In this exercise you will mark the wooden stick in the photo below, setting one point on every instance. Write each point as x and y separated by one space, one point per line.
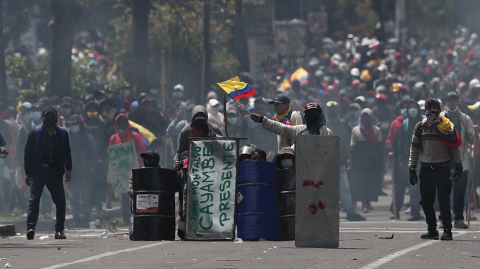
472 179
394 207
225 113
242 106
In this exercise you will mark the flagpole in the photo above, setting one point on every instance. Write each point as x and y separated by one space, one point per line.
225 113
242 106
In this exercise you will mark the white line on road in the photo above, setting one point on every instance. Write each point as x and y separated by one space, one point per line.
96 257
397 254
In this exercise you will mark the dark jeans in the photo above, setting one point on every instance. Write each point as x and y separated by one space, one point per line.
53 179
459 189
435 180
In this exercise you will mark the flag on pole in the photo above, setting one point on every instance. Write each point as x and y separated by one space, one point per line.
236 88
301 75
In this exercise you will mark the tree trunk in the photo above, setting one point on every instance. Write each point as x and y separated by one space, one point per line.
140 12
65 13
206 46
240 46
3 75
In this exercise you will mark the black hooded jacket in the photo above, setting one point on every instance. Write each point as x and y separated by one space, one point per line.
99 130
186 133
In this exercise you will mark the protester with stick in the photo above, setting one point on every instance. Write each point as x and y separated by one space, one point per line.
464 126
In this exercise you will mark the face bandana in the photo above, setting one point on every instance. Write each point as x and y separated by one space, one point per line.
432 119
150 163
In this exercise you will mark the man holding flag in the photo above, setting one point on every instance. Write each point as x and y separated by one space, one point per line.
285 115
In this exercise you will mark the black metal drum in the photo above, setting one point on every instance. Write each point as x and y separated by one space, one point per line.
153 205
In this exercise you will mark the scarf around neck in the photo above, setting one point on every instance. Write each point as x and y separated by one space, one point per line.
368 133
284 118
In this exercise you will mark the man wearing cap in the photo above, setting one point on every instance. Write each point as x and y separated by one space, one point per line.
47 158
315 123
465 126
343 130
285 115
84 154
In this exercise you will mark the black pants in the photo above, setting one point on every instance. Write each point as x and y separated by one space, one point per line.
435 180
459 189
53 179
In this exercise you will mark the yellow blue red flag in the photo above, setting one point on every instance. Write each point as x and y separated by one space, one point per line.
236 88
301 75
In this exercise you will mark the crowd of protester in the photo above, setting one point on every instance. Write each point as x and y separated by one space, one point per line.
371 92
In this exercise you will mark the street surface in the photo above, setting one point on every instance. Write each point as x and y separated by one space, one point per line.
360 247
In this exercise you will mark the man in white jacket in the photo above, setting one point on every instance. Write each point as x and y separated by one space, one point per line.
285 115
315 123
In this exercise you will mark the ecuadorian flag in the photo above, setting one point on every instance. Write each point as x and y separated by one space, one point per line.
448 133
301 75
236 88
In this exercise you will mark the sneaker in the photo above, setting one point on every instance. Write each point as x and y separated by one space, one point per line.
416 217
447 235
407 212
393 216
459 224
355 217
472 216
430 235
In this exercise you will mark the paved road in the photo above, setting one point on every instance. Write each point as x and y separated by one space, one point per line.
360 247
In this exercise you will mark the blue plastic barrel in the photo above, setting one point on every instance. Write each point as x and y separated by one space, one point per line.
257 210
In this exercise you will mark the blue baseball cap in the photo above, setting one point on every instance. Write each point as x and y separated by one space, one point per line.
280 99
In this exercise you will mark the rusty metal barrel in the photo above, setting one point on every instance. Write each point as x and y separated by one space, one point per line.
286 203
153 204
